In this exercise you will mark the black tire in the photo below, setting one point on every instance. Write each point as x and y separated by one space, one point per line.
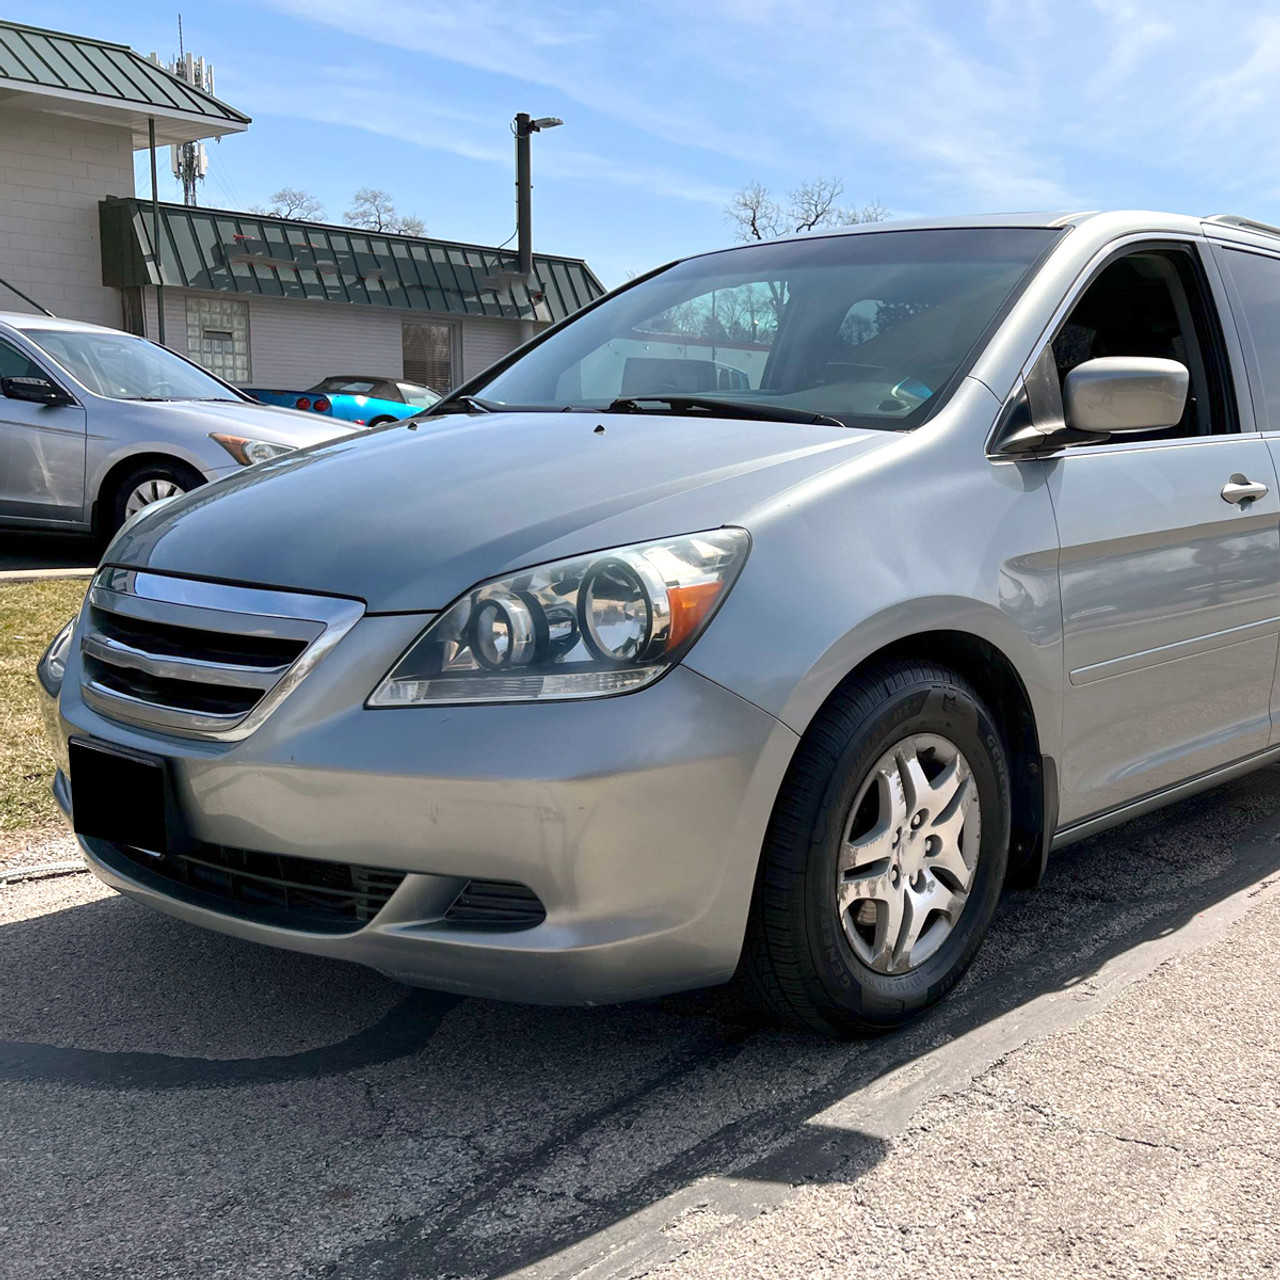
112 510
381 422
797 963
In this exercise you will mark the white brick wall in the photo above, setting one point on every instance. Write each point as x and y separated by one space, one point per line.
53 172
175 318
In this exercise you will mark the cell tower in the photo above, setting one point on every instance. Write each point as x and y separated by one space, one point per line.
189 161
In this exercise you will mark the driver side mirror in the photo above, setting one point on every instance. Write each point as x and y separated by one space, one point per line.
1120 395
35 390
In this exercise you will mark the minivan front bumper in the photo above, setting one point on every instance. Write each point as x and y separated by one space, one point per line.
636 820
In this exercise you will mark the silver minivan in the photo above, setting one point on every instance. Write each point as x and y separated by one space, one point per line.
616 674
96 424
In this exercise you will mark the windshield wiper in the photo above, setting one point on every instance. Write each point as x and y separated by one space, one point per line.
725 408
472 404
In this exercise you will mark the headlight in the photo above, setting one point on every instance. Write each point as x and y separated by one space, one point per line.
247 452
53 662
582 628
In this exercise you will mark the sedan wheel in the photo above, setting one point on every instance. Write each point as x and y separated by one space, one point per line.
144 486
150 491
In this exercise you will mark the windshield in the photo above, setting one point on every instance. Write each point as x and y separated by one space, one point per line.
423 397
123 367
868 329
346 386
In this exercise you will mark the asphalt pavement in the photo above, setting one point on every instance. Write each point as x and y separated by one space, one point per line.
37 552
1099 1096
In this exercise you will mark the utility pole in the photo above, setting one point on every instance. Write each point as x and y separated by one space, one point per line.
157 253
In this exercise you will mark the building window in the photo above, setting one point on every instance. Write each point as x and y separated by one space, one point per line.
428 354
218 336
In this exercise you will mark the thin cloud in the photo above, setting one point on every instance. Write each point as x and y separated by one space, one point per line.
923 103
348 100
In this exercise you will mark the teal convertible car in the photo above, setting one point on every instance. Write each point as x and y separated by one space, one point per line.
364 402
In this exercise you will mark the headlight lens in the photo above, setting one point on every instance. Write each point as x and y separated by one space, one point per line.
246 452
582 628
53 662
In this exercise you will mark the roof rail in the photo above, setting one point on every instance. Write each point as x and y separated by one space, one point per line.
1245 224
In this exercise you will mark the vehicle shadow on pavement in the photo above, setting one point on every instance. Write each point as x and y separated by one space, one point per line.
492 1137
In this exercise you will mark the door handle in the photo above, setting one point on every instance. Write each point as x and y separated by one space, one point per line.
1239 490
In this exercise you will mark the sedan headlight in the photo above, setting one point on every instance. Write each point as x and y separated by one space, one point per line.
246 452
53 662
588 627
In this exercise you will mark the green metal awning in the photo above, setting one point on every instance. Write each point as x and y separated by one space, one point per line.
96 80
281 258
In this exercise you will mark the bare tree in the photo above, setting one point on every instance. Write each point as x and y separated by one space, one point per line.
292 202
757 214
375 210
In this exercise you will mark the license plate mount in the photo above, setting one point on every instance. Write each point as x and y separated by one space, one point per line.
120 796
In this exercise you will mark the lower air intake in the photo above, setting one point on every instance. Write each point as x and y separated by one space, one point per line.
308 894
496 904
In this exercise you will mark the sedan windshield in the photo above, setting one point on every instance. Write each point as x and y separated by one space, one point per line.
123 367
869 329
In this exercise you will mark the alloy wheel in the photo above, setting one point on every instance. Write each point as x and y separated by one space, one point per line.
909 854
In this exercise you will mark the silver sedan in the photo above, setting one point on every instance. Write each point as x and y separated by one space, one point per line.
96 424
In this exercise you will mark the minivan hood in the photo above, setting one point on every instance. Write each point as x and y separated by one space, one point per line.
254 421
406 517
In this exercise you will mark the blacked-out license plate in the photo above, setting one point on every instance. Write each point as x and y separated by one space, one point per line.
119 796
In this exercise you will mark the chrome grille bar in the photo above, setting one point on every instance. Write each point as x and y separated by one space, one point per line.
200 659
239 675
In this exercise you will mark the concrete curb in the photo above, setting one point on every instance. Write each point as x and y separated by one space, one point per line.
42 575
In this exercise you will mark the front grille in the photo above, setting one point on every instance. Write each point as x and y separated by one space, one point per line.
200 659
498 904
270 888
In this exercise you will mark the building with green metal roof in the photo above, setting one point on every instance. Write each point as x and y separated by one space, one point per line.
259 300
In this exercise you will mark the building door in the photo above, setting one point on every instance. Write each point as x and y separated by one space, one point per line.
428 353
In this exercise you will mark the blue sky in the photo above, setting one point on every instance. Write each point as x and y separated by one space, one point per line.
959 106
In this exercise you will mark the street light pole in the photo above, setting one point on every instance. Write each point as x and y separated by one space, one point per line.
524 195
524 127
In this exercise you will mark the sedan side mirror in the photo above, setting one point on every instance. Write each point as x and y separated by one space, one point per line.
1118 395
36 390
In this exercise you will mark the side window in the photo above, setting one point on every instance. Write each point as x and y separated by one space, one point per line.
13 364
1151 303
1257 282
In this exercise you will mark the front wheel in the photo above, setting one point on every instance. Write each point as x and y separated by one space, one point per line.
883 863
144 485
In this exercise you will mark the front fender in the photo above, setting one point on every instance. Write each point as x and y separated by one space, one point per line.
935 538
110 454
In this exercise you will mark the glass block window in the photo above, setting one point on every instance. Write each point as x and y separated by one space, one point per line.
218 336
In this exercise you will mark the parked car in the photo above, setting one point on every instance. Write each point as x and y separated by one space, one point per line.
367 402
584 696
96 424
